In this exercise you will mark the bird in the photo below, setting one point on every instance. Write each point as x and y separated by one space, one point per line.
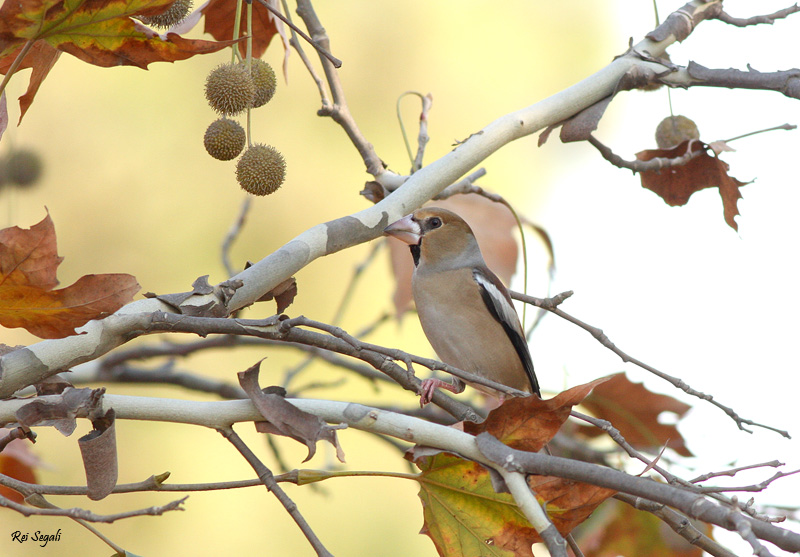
465 310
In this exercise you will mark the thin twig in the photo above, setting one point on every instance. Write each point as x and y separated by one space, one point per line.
758 19
338 109
676 382
321 49
89 516
656 163
761 486
733 471
787 126
679 523
266 477
294 43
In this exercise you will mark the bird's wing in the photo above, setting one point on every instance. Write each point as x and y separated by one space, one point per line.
498 301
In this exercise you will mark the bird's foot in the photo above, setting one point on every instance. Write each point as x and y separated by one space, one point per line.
429 386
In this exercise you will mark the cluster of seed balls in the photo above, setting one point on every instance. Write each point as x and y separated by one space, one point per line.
230 90
174 14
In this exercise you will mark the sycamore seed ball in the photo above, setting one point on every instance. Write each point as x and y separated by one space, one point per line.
22 168
224 139
674 130
174 14
264 81
230 89
261 170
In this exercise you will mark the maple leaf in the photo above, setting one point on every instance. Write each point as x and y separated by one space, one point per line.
28 263
100 32
463 513
634 411
675 184
220 20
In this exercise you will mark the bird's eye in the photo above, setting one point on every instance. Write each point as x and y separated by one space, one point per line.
435 222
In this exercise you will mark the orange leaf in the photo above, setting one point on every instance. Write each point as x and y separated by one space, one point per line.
220 19
634 411
28 263
465 516
100 32
18 462
528 423
676 184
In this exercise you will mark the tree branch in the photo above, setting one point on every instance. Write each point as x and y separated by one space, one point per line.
484 449
676 382
758 19
266 477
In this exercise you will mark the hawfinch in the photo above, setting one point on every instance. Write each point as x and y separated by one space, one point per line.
464 309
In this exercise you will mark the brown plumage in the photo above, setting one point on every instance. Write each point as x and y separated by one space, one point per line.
465 311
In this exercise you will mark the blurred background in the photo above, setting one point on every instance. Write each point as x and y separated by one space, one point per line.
131 189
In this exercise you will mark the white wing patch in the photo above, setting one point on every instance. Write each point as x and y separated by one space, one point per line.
501 305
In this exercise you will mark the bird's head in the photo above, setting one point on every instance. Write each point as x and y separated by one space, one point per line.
436 235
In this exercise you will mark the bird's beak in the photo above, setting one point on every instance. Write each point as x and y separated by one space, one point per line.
406 230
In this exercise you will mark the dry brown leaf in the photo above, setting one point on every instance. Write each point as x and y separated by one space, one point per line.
635 411
220 18
28 264
99 454
283 294
284 418
18 462
675 184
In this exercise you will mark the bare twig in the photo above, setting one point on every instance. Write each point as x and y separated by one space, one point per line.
293 42
422 137
745 530
676 382
266 477
786 82
758 19
761 486
679 523
733 471
323 50
83 514
656 163
338 111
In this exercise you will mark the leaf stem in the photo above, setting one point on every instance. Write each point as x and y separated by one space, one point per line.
237 24
16 63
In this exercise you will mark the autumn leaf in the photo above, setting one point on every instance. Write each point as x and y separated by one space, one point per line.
28 264
283 418
18 462
100 32
220 18
620 529
635 411
465 516
675 184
